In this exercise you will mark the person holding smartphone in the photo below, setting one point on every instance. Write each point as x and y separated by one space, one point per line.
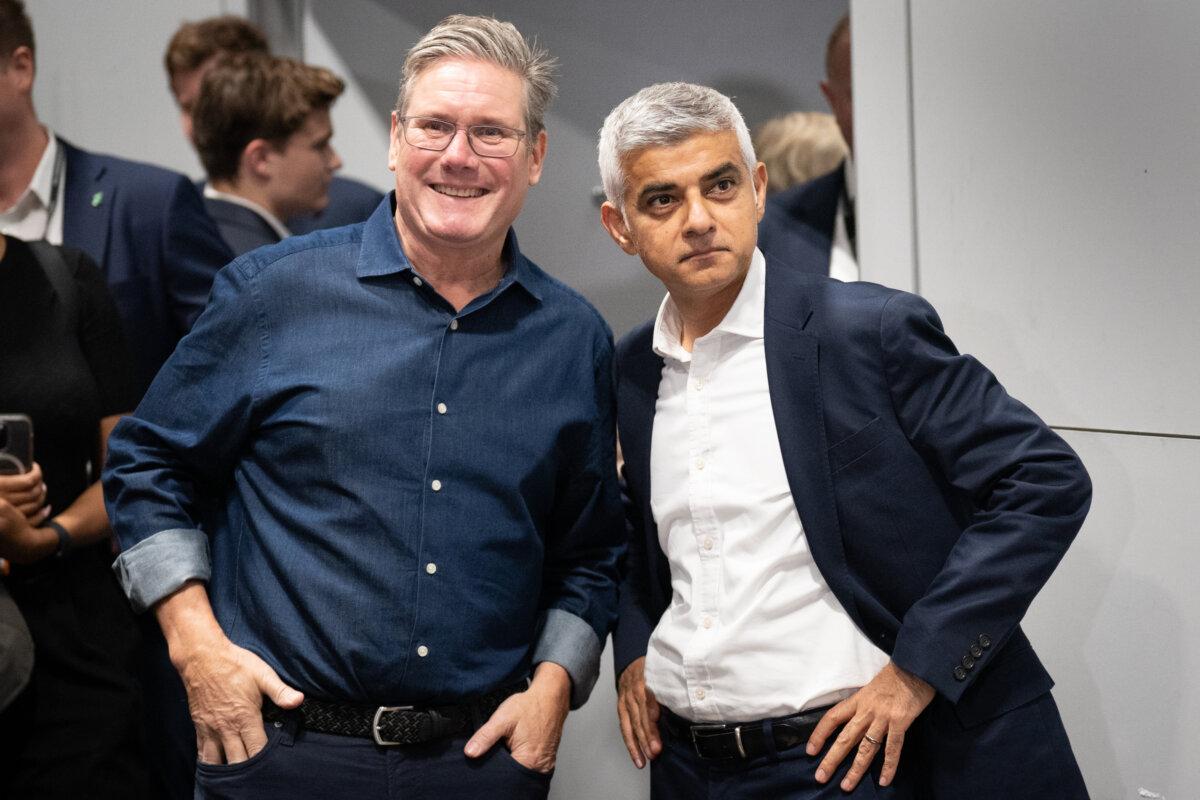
64 365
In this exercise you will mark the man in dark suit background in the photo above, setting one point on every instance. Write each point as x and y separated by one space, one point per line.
820 214
145 226
193 50
261 126
837 520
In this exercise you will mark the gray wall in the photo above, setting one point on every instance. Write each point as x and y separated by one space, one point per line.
1045 163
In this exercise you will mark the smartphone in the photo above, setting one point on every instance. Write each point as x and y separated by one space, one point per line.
16 444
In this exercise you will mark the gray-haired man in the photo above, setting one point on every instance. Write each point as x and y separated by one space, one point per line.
398 440
838 520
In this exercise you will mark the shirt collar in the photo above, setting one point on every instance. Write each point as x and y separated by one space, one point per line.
383 253
744 318
43 177
280 229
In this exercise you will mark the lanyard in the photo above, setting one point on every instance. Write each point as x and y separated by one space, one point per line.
60 166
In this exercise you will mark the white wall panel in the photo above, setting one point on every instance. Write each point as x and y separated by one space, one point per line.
1057 169
1117 625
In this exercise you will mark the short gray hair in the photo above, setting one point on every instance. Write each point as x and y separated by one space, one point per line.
495 42
661 115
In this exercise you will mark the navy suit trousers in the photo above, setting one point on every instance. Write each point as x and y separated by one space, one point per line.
299 764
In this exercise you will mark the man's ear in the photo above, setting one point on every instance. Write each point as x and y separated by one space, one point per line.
394 142
256 159
614 222
20 68
537 158
760 189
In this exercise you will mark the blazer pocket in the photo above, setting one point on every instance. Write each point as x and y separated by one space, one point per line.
856 445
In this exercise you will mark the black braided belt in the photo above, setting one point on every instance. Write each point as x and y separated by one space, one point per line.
394 725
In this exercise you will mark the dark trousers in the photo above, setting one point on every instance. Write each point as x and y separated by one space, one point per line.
679 774
74 731
299 764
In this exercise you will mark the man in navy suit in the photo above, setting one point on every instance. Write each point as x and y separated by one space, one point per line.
821 212
261 126
193 50
146 227
837 520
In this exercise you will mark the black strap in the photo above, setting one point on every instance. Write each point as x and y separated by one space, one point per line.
62 280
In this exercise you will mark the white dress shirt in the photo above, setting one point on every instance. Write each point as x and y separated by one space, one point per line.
843 264
27 219
753 631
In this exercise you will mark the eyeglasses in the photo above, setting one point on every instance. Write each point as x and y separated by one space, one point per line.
488 141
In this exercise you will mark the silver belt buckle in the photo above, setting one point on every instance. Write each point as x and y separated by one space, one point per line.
379 740
717 726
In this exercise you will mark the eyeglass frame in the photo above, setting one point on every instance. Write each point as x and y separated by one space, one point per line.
467 129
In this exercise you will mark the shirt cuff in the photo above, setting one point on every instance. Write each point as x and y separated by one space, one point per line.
155 567
568 641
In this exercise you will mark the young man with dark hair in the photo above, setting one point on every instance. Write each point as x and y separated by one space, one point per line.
261 126
194 49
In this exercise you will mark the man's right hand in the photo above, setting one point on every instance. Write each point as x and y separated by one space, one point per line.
225 683
638 712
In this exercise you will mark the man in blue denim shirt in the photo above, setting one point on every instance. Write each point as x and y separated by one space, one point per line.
397 441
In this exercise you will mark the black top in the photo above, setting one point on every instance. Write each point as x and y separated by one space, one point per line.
64 377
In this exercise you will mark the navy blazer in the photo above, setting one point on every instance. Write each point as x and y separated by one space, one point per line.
350 201
242 228
147 229
935 505
800 220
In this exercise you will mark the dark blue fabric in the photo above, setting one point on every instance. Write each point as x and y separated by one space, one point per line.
299 423
243 229
935 505
679 774
147 229
797 225
302 765
349 202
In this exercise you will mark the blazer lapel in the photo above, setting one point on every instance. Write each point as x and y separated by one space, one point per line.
797 403
88 201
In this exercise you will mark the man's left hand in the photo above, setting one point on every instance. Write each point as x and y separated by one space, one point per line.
881 711
531 721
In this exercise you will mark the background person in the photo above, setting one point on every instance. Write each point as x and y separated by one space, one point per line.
798 147
74 730
261 127
193 50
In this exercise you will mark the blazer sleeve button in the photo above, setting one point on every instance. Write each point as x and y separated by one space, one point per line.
960 674
985 641
968 662
976 650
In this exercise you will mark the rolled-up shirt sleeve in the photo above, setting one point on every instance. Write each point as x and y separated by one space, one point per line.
182 440
579 587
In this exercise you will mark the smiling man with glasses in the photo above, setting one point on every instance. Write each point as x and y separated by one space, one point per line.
400 576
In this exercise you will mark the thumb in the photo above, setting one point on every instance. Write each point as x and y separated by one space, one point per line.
496 728
270 685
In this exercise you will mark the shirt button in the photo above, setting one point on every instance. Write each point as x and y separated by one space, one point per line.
708 543
436 485
699 694
431 567
453 324
441 408
699 384
422 651
707 622
417 281
699 463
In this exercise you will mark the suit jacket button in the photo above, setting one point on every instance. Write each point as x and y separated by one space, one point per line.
985 641
968 662
976 650
960 674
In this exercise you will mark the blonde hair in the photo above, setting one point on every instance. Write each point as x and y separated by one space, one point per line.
798 147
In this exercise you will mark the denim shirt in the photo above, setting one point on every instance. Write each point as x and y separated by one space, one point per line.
403 503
